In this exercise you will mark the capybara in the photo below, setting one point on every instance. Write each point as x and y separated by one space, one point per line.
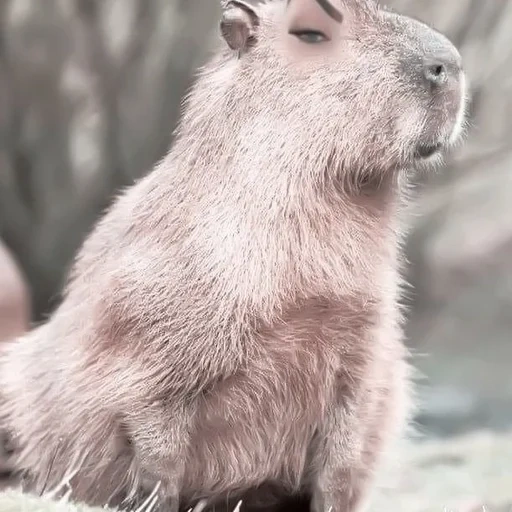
231 328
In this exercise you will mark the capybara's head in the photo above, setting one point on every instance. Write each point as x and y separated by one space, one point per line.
369 89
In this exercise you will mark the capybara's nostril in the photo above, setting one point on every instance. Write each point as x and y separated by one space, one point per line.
441 64
435 73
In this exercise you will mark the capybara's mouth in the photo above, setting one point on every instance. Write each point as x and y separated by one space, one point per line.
424 151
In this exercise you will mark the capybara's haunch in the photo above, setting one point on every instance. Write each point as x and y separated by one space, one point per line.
233 320
14 314
14 297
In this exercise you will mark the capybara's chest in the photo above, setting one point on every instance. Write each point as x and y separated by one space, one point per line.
260 424
257 426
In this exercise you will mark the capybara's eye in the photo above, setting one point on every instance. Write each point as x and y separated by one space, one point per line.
310 36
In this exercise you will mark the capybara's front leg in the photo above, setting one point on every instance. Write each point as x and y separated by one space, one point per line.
357 437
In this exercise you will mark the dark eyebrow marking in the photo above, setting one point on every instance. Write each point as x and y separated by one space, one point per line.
329 9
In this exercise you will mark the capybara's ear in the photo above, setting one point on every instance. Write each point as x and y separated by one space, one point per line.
239 24
14 297
318 16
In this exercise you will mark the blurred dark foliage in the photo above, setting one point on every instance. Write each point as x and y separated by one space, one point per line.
90 92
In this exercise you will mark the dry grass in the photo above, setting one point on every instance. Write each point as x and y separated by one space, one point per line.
471 473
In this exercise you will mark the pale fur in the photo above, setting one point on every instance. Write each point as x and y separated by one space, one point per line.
233 320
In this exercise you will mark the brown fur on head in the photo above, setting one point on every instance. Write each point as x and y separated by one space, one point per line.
353 86
233 321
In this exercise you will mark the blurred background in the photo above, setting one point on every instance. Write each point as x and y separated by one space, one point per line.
90 92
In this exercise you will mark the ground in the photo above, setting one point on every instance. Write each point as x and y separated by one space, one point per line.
469 473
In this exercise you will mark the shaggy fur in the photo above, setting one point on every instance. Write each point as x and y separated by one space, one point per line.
231 327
